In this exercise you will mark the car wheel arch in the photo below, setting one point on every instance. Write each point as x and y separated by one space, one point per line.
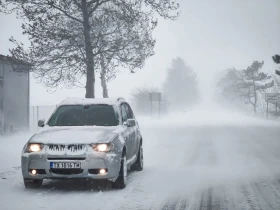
122 156
139 145
123 151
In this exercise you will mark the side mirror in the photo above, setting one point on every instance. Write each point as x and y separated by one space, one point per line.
41 123
130 123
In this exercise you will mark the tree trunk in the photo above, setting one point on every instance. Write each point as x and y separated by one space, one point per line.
90 76
255 97
103 78
104 86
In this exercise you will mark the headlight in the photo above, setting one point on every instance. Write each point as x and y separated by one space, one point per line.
34 147
102 147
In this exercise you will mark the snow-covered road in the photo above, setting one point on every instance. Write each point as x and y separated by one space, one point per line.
191 162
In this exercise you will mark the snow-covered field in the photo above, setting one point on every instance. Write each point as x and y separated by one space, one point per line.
195 160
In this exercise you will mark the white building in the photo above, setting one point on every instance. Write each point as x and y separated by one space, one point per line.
14 95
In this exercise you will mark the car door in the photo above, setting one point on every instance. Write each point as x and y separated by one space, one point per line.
134 140
127 134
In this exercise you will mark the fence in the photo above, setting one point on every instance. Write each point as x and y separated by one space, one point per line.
44 112
39 112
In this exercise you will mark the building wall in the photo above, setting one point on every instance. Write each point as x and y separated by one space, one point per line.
16 98
1 97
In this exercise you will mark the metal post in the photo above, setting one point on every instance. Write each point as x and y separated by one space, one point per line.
151 108
267 110
37 114
28 109
159 109
33 110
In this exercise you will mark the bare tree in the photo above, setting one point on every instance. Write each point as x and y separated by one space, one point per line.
134 45
64 35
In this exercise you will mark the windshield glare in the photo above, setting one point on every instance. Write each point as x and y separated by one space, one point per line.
78 115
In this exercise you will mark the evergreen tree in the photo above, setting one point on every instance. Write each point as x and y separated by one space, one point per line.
276 59
255 81
247 84
229 85
180 87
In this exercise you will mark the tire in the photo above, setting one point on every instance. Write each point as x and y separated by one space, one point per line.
120 182
33 183
139 164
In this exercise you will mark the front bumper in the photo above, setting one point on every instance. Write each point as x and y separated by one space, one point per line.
91 162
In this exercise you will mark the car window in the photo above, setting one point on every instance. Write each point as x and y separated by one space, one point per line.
129 111
124 113
78 115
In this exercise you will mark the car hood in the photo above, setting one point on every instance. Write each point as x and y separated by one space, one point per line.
75 135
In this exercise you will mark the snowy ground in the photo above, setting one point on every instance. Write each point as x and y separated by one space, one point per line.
197 160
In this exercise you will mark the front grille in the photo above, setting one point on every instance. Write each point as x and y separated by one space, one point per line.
73 149
66 171
66 158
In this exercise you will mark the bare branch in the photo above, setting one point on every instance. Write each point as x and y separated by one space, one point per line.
98 4
77 3
50 3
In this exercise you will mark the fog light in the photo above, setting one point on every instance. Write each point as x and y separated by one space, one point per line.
33 172
102 171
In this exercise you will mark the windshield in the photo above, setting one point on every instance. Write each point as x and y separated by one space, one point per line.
78 115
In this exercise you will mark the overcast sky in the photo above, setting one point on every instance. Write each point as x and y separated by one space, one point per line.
210 35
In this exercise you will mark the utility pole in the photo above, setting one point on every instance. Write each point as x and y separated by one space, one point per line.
38 113
151 108
159 109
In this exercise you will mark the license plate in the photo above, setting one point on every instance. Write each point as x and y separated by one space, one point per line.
65 165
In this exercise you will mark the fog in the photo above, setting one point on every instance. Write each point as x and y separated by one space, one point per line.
208 148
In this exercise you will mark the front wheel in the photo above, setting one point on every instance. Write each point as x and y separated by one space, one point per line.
120 182
139 164
33 183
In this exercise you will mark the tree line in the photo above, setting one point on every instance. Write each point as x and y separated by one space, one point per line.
72 40
249 86
179 90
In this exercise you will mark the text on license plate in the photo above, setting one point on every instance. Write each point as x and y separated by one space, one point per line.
65 165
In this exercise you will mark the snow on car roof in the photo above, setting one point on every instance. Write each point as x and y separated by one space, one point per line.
88 101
